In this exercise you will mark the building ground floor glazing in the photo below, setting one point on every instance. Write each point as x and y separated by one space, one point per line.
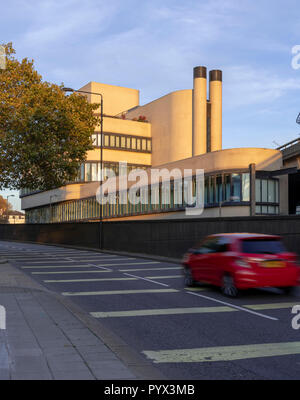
222 189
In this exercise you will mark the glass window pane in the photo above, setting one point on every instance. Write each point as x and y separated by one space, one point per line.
246 187
211 189
123 169
117 141
112 141
236 187
258 209
206 190
149 147
128 143
144 144
94 140
258 190
264 209
264 190
276 191
138 144
94 172
271 191
271 210
123 142
219 189
87 172
106 140
178 193
227 187
82 172
133 143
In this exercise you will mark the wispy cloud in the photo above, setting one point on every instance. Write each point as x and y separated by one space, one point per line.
249 86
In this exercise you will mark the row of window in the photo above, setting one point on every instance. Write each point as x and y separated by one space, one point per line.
90 171
123 142
227 187
266 191
219 188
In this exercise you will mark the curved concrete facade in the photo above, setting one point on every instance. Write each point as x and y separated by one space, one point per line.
218 161
171 126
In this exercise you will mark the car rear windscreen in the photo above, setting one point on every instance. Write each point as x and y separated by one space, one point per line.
262 246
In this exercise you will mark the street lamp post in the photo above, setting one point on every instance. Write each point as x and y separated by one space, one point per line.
10 195
65 89
231 198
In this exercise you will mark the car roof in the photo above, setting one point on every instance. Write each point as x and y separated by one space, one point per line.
245 235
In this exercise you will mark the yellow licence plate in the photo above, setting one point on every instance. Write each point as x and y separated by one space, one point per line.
273 264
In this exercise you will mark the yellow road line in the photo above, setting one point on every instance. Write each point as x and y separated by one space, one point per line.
164 277
165 311
111 292
70 272
148 269
78 266
57 266
70 261
272 306
89 280
224 353
99 260
178 311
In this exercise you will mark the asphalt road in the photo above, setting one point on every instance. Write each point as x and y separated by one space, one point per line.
187 333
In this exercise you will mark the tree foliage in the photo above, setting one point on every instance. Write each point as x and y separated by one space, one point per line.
44 134
3 206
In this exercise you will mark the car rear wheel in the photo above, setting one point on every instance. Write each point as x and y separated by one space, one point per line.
288 289
188 277
228 286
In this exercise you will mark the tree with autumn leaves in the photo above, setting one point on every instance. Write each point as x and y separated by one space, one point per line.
44 134
4 207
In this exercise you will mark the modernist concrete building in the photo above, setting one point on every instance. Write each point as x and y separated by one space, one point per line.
183 130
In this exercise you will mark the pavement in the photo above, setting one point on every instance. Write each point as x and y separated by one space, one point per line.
47 338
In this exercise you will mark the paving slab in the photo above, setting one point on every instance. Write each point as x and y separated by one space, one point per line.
44 340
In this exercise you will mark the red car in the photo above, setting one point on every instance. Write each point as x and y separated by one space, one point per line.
236 261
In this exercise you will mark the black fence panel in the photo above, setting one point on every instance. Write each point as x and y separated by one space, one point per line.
168 237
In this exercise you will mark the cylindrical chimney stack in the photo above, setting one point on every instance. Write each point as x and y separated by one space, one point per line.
199 111
215 96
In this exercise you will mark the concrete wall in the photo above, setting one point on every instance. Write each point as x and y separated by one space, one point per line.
116 99
169 238
230 159
171 126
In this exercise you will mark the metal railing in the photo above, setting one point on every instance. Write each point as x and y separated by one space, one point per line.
286 145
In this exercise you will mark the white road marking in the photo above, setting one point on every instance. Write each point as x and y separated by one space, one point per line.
145 279
234 306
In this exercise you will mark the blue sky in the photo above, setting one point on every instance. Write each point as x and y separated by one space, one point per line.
154 45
